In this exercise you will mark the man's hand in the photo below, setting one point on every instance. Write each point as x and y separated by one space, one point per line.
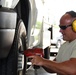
36 60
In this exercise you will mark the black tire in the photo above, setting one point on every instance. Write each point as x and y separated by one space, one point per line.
9 65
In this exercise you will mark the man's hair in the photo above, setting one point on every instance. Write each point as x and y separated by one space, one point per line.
72 13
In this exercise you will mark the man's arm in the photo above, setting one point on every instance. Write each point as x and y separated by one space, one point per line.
48 70
64 68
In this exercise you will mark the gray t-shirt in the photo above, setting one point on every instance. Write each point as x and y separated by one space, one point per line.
66 51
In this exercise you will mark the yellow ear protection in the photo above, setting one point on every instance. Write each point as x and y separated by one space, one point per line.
74 25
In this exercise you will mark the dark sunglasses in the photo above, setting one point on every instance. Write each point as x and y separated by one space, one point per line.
64 27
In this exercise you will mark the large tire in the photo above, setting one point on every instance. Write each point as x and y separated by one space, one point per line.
10 65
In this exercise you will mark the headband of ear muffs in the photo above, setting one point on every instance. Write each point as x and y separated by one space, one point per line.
74 25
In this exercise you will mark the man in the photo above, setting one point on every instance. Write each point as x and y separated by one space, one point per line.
65 61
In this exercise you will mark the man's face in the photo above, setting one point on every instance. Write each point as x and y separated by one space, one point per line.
66 28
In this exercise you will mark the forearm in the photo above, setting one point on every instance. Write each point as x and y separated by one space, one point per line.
64 68
48 70
51 67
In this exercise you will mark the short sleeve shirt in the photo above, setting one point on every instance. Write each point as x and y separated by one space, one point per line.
66 51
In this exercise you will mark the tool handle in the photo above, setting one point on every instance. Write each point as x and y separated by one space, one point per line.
36 67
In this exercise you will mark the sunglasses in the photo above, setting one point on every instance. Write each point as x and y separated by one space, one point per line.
64 27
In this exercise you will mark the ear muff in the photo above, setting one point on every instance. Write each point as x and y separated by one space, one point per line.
74 25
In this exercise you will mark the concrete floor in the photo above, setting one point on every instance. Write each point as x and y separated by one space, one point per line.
41 71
